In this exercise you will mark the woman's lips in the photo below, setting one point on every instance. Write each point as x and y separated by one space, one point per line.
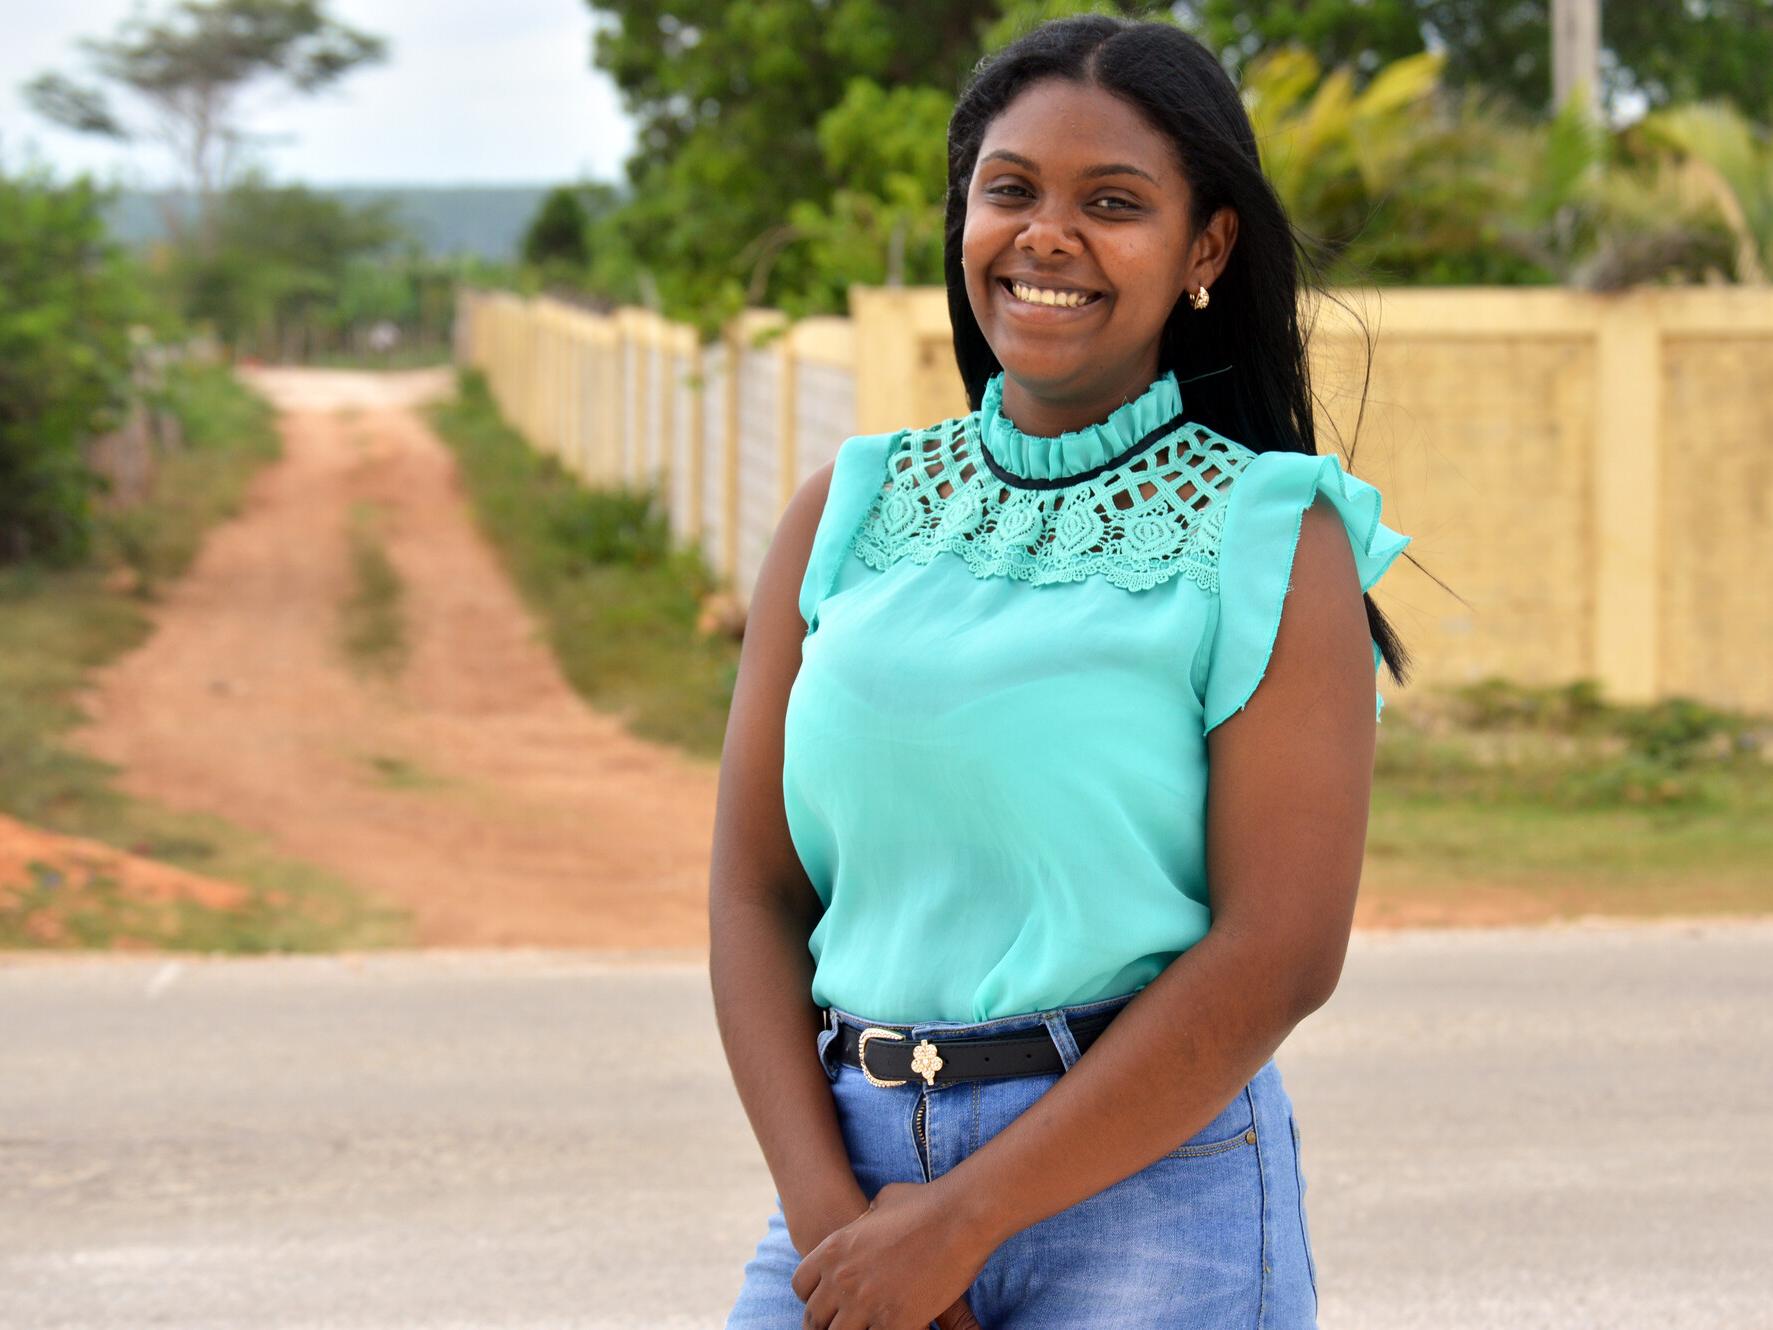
1026 309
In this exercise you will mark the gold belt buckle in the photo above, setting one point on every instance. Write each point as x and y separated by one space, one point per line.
925 1061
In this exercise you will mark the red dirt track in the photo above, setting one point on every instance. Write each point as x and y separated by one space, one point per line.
519 816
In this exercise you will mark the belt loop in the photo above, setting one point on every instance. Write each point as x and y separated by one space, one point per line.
1063 1039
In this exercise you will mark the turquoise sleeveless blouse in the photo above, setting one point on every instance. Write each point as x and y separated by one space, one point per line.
995 755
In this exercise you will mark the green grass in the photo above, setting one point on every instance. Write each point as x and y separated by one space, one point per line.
372 626
1585 805
57 625
619 604
418 357
397 773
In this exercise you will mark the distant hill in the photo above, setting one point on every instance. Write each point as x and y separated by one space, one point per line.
484 220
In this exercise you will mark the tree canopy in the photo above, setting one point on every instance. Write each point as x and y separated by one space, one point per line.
557 233
756 113
190 67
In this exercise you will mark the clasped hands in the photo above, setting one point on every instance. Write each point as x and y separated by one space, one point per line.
904 1262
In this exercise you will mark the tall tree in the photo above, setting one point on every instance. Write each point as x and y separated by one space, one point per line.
557 232
736 172
191 68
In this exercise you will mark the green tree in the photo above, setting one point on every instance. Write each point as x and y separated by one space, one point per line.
557 234
883 224
1731 166
68 298
191 68
738 185
1664 52
285 259
1404 181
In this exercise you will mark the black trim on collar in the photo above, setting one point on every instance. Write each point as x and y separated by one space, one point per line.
1170 426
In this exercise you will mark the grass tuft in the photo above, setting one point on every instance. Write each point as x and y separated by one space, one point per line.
597 566
373 625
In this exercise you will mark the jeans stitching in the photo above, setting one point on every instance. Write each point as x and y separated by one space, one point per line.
1262 1181
1304 1228
1218 1147
1215 1148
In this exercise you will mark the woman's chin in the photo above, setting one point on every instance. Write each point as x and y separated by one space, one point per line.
1038 361
1050 369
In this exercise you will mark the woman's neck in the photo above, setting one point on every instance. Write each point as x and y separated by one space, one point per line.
1047 415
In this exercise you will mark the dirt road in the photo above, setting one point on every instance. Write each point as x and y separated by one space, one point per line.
475 787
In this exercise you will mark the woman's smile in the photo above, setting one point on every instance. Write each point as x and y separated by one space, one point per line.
1048 304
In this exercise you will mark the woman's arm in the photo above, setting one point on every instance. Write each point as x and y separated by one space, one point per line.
761 907
1290 782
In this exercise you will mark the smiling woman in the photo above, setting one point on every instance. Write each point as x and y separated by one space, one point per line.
1066 234
1051 747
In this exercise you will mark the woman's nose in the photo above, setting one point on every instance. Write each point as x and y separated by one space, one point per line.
1048 232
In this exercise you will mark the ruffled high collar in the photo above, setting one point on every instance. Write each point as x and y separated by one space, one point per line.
1064 456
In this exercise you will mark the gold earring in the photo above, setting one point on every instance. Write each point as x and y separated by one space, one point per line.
1199 298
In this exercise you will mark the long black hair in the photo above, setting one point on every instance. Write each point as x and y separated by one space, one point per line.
1243 358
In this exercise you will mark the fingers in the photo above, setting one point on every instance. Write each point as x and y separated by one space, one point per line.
816 1315
959 1316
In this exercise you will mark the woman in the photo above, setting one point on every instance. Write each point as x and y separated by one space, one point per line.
988 668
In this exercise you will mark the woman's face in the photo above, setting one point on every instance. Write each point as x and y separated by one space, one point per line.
1075 192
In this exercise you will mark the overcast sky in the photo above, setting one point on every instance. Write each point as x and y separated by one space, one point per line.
473 91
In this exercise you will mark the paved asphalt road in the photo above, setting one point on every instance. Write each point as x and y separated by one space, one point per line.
1562 1128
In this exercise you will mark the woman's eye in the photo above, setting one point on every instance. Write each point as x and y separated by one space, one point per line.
1122 205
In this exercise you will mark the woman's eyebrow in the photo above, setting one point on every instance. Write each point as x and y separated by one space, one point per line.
1089 172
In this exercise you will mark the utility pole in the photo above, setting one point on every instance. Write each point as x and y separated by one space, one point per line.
1576 52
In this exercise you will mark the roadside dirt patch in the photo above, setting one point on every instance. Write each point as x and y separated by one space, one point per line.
64 870
476 787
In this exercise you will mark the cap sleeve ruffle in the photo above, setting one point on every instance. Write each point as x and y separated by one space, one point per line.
1264 512
856 480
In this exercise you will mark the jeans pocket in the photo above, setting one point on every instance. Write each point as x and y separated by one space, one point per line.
1233 1128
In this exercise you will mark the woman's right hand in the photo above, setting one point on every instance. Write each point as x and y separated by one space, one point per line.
959 1316
842 1209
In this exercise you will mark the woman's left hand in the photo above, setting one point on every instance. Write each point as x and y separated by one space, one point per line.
897 1266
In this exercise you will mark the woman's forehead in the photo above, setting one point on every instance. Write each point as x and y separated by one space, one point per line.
1064 128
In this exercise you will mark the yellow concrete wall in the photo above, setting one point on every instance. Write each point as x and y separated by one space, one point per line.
1591 477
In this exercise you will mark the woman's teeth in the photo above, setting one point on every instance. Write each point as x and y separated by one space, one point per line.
1035 295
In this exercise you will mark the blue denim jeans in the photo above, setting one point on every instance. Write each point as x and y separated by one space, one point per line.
1210 1236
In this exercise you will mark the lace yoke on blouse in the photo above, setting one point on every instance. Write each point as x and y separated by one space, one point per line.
1139 498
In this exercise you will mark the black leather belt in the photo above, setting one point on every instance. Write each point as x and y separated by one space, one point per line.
894 1058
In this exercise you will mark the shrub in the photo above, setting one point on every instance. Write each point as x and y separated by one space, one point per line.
68 299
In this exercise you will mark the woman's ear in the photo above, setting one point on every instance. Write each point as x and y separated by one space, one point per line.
1212 248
